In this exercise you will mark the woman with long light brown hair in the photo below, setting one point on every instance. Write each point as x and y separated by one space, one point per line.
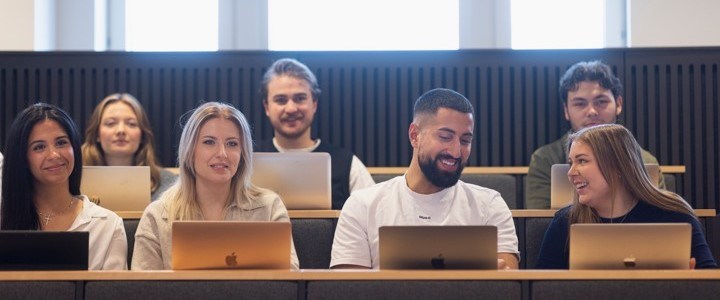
613 186
119 134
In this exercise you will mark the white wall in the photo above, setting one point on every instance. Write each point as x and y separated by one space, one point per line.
673 23
17 28
27 25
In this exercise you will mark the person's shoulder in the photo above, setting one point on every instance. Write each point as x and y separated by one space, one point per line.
267 196
166 174
474 188
648 157
265 145
376 191
657 214
330 148
158 207
96 211
553 148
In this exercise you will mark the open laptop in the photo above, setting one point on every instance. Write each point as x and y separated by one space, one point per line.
630 246
562 190
126 188
302 179
198 245
438 247
43 250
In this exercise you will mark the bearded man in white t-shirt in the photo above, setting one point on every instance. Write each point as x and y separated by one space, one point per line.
430 192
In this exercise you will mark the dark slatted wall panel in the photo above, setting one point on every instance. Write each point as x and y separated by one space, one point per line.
674 98
368 97
671 97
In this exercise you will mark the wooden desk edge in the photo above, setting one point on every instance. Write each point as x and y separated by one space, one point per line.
513 170
334 214
335 275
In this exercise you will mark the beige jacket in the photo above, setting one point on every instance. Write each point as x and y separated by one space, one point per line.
153 238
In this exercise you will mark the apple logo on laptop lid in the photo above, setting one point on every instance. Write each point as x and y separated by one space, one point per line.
438 262
231 260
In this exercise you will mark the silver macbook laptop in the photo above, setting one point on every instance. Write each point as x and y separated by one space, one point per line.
117 188
438 247
43 250
198 245
562 190
302 179
630 246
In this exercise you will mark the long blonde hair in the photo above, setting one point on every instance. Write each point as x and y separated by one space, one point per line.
181 197
92 152
620 161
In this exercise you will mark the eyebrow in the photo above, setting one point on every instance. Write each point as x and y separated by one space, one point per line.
42 141
453 131
579 155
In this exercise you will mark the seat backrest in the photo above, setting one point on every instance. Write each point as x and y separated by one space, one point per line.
130 228
505 184
313 241
534 233
670 182
378 178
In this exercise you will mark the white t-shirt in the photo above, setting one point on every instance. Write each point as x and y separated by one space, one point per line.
359 175
393 203
108 243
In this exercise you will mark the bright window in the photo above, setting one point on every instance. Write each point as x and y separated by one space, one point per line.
363 25
171 25
557 24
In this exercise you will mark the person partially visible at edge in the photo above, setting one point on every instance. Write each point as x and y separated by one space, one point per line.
591 95
613 186
290 95
41 186
430 192
215 164
119 134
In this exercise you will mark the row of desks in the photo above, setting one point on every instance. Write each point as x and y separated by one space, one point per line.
334 214
327 284
363 275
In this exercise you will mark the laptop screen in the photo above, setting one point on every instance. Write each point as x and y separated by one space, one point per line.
438 247
43 250
630 246
117 188
302 179
230 245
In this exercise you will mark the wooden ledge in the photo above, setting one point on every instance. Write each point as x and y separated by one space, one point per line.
334 214
512 170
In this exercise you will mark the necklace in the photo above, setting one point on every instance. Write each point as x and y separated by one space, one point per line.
46 217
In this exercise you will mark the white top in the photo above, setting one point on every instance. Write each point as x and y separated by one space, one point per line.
108 243
393 203
359 175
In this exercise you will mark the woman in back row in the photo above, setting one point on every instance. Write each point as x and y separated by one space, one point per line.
41 186
119 134
612 186
215 164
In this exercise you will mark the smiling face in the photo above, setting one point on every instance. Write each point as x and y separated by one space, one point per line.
290 106
119 133
218 152
590 185
591 104
50 154
443 143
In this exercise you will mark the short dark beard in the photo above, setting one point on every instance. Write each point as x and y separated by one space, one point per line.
437 177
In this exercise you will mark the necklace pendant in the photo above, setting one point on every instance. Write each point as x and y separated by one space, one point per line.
46 219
